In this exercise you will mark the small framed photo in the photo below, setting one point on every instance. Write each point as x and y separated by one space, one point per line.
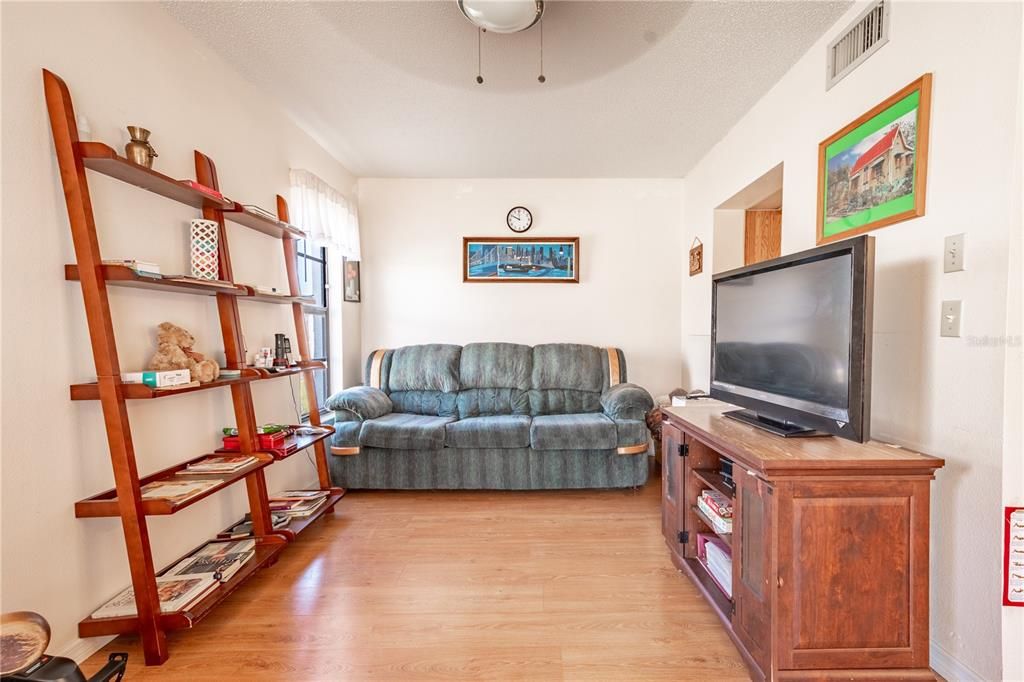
872 173
350 272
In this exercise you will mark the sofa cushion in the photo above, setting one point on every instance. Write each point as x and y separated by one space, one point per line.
572 432
433 403
563 401
568 366
503 431
433 367
496 365
483 402
404 431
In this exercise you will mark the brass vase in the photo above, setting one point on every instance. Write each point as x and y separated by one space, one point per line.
139 150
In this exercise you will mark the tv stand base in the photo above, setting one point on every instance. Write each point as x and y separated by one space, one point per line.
779 428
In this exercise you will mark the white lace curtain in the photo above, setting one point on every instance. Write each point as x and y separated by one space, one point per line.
324 213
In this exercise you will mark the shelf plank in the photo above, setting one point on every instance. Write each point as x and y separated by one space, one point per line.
297 525
266 553
301 442
716 481
303 366
91 391
103 159
237 213
722 605
106 504
253 295
121 275
727 537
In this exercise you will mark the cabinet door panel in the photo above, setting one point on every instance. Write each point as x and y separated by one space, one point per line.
671 484
752 567
854 575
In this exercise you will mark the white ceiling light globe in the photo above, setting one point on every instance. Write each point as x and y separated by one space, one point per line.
502 16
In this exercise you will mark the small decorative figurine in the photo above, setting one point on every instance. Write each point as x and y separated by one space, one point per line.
139 150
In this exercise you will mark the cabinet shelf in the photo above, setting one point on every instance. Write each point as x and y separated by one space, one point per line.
716 481
237 213
106 503
91 391
727 537
266 553
121 275
103 159
722 605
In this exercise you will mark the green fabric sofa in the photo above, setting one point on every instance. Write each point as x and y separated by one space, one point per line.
497 416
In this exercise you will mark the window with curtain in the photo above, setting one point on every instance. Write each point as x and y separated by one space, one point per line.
313 281
331 224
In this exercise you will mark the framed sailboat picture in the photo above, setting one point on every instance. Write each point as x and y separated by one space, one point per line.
496 259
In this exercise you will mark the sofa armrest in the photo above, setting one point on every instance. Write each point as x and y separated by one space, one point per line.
359 403
626 401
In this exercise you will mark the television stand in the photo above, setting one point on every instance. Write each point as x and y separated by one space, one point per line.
828 549
779 428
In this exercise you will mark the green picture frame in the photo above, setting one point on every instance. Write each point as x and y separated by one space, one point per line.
873 172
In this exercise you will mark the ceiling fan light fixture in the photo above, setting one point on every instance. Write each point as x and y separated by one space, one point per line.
502 16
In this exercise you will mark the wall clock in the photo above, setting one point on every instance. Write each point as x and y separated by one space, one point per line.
519 219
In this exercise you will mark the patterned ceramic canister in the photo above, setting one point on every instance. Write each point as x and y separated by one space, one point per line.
204 249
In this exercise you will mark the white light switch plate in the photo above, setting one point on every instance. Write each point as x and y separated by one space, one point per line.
953 258
950 324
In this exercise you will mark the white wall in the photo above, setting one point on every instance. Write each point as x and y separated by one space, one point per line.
627 296
942 396
1013 424
125 64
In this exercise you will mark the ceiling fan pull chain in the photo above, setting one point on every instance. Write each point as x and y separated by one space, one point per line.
541 78
479 77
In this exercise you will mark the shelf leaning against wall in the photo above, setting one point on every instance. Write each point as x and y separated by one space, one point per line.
125 498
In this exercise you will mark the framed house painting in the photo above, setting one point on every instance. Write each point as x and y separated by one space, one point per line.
495 259
872 173
350 273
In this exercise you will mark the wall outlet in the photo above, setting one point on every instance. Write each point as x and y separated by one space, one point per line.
953 259
950 324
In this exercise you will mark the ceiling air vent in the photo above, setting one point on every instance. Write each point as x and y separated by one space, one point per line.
860 40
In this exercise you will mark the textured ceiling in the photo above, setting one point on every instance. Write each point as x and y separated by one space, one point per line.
634 89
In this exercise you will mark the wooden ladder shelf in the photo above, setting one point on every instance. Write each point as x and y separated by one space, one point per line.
125 499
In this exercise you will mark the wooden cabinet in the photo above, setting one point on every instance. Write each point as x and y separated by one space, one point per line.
671 485
829 546
752 544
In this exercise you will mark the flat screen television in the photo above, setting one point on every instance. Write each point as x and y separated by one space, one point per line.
791 341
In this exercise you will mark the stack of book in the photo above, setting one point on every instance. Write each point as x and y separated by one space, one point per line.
176 593
176 492
717 508
716 557
218 464
140 267
203 188
219 560
243 529
253 208
298 503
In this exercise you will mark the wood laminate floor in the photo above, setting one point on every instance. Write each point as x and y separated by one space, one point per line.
546 585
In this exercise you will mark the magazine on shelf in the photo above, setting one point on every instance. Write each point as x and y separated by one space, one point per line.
301 494
221 560
243 529
218 464
175 592
718 502
297 508
177 492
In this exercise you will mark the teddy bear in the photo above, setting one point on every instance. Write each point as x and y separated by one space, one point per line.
174 351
